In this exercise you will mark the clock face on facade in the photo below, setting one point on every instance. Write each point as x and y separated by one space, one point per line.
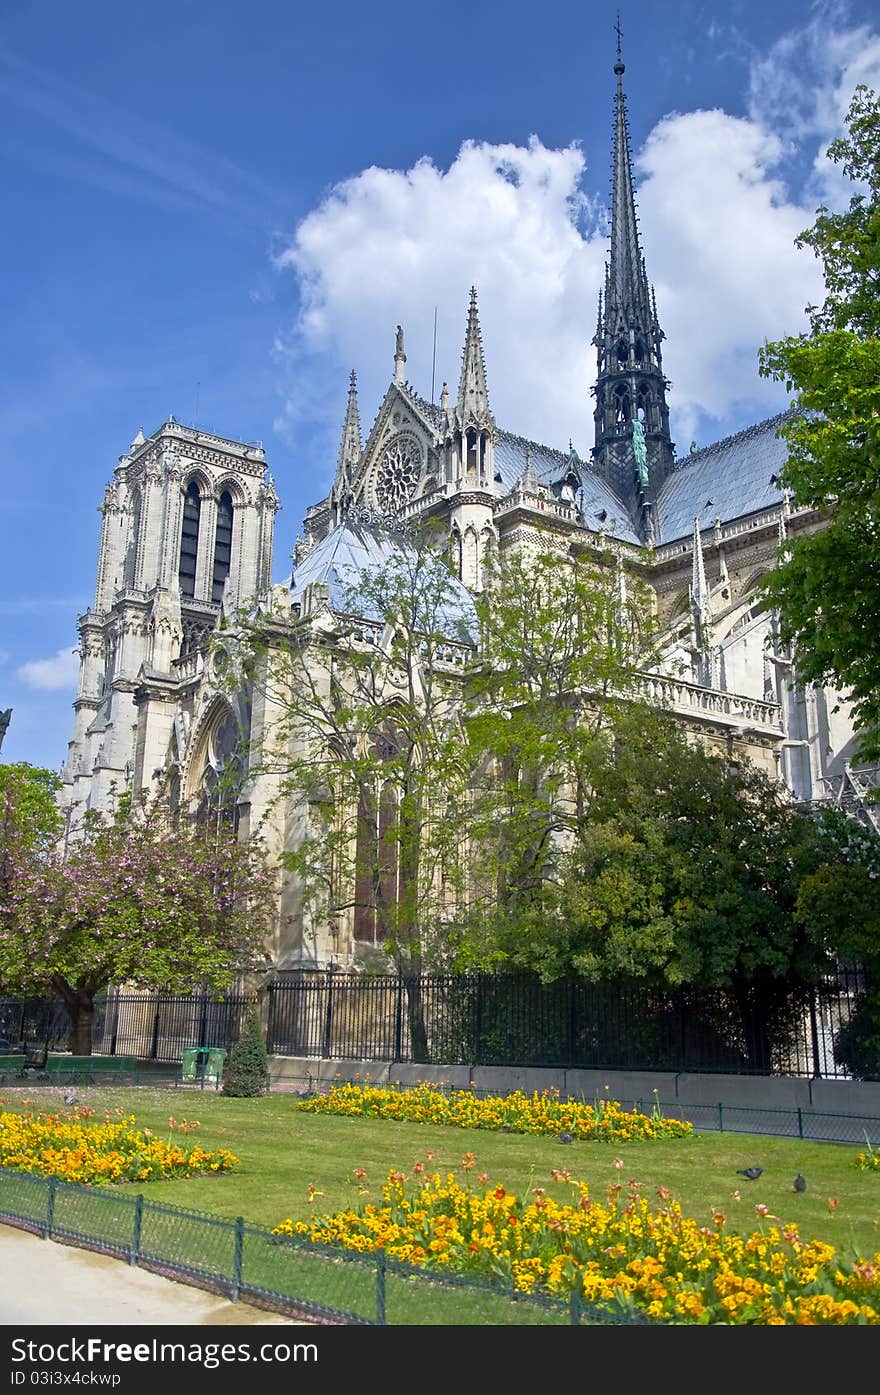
398 474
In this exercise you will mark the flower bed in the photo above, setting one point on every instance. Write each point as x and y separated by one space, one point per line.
621 1251
539 1113
68 1147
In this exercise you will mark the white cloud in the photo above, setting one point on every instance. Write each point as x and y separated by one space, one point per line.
388 246
720 237
62 671
802 87
718 224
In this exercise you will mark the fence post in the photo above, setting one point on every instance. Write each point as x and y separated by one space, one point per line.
237 1258
800 1122
50 1208
398 1022
136 1232
575 1307
814 1034
270 1020
154 1044
328 1016
720 1117
203 1020
114 1032
478 1020
380 1287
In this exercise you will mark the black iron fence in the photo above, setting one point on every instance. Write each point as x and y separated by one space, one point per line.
475 1019
148 1026
502 1019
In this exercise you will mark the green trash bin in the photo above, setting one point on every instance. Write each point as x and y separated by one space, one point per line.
189 1059
214 1066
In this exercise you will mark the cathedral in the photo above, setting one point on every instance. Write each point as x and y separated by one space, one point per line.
187 542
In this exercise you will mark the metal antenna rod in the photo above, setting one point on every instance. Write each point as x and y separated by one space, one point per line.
434 356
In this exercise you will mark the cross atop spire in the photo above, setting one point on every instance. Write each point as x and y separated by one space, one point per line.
473 394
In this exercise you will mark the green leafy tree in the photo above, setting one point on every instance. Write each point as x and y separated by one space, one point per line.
29 814
692 873
827 583
365 732
247 1066
840 900
561 641
130 899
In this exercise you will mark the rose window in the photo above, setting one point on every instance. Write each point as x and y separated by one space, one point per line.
398 475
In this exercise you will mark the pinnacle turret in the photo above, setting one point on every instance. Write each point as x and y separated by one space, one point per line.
473 394
349 450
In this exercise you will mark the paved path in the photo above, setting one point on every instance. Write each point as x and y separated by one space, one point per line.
47 1282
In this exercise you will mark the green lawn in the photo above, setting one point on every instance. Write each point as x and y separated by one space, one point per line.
283 1150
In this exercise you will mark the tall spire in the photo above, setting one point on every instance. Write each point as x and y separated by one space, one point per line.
350 445
349 452
633 448
626 283
473 394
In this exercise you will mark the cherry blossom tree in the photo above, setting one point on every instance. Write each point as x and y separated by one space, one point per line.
130 899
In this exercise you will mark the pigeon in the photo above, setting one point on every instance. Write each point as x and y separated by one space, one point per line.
800 1183
566 1138
751 1172
70 1098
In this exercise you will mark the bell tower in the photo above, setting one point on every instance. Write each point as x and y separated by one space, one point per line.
187 533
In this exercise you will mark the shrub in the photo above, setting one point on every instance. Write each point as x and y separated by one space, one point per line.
857 1044
247 1066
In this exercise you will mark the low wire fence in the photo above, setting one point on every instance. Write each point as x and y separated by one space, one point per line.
242 1261
815 1125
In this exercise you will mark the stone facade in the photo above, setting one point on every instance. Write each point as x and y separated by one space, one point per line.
187 543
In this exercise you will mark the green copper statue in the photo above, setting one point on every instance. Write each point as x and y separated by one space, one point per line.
640 452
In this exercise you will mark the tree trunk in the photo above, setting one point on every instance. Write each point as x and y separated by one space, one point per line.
758 1004
80 1005
415 1011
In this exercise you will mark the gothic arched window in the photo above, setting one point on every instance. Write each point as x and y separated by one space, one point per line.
377 890
189 540
222 545
131 553
222 774
621 405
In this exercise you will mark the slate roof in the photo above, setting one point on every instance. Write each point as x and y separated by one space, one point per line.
734 473
339 560
551 467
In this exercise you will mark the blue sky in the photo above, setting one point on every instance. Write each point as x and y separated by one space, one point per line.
218 210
